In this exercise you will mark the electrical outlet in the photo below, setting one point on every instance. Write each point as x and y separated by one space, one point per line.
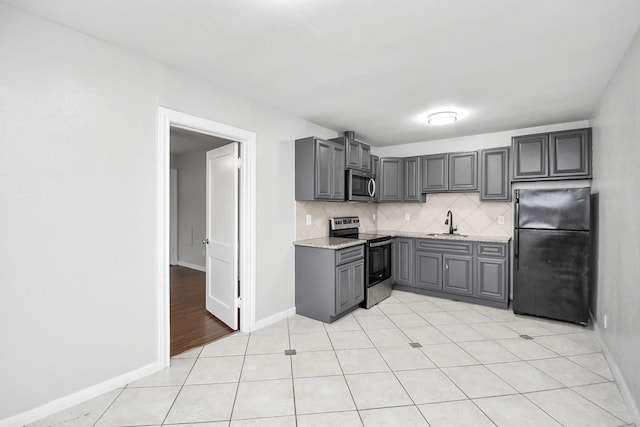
309 222
407 216
604 321
374 216
501 219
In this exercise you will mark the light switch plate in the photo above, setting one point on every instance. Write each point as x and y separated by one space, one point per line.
407 216
501 219
309 221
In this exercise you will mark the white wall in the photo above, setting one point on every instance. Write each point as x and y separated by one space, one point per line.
616 134
470 143
79 275
192 209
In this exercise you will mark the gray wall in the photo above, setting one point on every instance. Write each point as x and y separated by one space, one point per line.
616 153
78 189
192 175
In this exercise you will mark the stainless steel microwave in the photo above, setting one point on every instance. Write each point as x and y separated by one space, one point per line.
361 186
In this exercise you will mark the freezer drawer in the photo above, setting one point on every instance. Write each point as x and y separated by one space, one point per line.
551 274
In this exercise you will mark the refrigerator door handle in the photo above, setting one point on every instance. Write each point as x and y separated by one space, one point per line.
516 231
516 248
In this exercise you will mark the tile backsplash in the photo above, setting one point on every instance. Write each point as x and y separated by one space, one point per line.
470 215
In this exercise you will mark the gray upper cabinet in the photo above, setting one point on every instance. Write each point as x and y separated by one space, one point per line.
358 154
435 173
450 172
391 179
530 156
399 180
319 169
412 180
570 153
556 155
463 171
495 182
375 166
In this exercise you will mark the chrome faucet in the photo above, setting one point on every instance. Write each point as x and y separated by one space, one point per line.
449 221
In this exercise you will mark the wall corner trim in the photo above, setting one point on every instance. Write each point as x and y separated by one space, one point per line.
263 323
79 396
625 392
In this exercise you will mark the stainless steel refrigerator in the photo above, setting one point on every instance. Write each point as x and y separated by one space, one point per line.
552 253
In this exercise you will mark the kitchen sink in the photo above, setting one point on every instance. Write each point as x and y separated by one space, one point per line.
446 234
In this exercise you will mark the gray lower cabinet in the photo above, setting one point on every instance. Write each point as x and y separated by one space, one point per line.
319 170
458 274
329 283
402 260
492 270
495 174
428 270
461 270
555 155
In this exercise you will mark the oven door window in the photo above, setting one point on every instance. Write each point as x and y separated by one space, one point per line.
379 264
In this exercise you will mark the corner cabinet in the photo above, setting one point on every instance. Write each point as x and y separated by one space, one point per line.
329 282
474 272
450 172
552 156
319 170
495 174
399 180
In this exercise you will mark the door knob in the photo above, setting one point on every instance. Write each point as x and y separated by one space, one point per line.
205 242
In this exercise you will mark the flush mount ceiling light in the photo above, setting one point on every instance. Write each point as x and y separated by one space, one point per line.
442 118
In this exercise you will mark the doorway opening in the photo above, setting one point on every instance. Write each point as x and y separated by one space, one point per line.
192 323
230 255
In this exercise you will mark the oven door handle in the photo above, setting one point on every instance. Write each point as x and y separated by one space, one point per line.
378 244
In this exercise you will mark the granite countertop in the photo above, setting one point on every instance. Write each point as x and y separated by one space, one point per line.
463 237
329 242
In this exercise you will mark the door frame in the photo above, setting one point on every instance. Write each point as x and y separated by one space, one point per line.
167 119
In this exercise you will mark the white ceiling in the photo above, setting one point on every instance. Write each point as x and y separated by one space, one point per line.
373 66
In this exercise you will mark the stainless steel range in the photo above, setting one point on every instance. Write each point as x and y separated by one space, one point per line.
378 281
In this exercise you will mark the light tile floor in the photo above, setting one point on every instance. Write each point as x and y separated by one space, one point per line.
471 368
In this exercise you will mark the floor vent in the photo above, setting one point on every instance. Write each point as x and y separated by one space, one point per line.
415 344
526 337
289 352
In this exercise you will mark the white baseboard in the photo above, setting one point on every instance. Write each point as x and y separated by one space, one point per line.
192 266
632 406
78 397
274 318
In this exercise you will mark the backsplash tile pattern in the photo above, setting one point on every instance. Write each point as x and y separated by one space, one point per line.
470 215
321 212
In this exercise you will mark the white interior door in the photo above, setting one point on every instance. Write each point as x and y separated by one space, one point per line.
221 241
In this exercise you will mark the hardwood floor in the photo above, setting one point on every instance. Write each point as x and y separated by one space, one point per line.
191 324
